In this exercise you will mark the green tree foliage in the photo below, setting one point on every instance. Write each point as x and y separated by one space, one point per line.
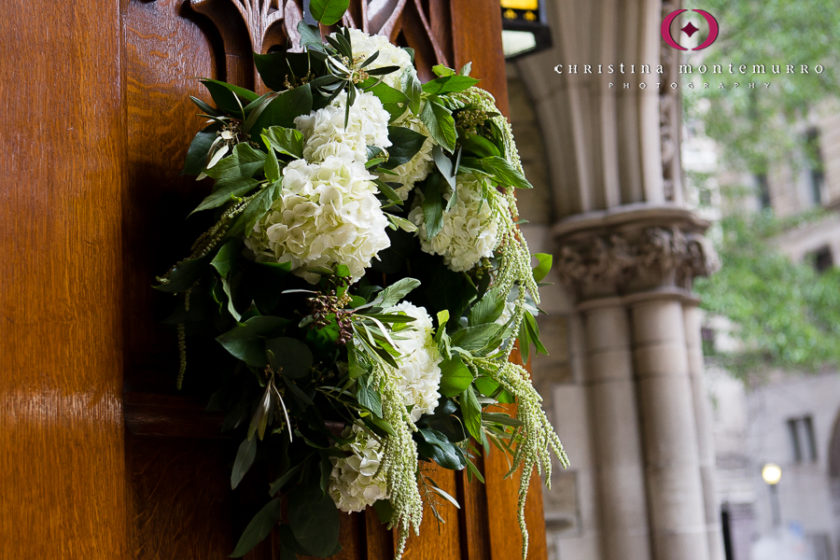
754 125
785 314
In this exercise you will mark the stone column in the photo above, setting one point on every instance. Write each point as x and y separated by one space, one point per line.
703 418
614 426
672 467
631 271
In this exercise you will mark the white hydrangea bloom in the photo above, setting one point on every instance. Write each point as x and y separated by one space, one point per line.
418 376
354 481
470 228
327 214
365 45
419 167
325 134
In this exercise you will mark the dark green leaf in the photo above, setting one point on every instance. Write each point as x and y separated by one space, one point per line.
289 356
284 479
225 192
387 94
328 12
258 206
245 341
487 386
433 205
405 143
436 447
244 459
272 166
389 192
480 146
454 377
413 90
446 167
504 173
225 95
259 527
487 309
197 153
314 520
182 275
284 108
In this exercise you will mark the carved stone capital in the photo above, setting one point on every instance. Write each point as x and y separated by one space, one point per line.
637 249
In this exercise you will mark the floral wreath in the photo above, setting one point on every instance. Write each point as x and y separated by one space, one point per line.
362 286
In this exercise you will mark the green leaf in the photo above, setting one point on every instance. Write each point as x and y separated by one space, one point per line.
225 192
405 143
272 167
369 399
256 208
243 163
245 341
438 119
386 93
314 520
448 84
413 90
259 527
389 192
394 293
433 205
225 95
223 262
455 377
505 174
284 479
544 261
442 71
471 410
283 110
446 167
199 148
477 337
310 37
438 448
401 223
328 12
487 309
289 356
480 146
487 386
287 141
244 459
181 276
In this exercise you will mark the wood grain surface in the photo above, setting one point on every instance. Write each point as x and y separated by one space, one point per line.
62 474
97 117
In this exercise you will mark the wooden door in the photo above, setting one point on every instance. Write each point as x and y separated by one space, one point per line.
97 121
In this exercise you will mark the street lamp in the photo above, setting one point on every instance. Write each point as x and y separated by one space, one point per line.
771 474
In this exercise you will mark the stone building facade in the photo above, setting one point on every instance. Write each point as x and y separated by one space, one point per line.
624 378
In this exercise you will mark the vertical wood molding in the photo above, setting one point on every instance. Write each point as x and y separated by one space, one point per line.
62 473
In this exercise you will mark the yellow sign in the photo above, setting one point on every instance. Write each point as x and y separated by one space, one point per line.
521 4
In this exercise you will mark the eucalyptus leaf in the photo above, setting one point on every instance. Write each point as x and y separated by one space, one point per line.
259 527
199 148
245 456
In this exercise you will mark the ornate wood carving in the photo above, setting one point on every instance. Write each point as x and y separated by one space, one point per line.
248 26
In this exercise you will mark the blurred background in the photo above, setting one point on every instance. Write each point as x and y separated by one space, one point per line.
664 170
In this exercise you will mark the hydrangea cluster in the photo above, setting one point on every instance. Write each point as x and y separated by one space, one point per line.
470 229
356 481
326 135
365 45
418 376
327 214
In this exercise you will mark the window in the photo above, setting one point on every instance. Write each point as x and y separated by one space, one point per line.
802 441
814 164
763 190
